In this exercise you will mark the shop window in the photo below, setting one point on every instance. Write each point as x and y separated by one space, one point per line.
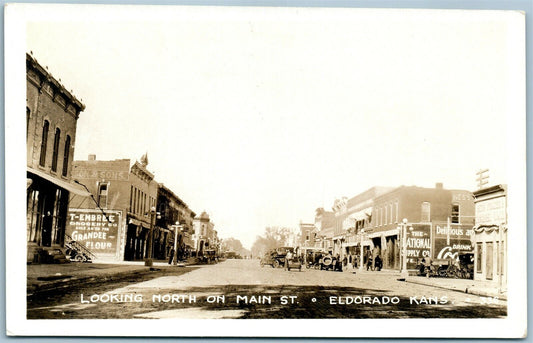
55 153
425 215
455 214
60 208
27 121
479 257
33 215
66 154
102 195
44 142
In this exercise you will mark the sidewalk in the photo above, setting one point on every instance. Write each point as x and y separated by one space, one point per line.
44 277
482 288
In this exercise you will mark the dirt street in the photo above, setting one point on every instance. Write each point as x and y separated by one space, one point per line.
244 289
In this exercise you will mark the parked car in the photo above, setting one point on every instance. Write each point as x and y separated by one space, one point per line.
276 257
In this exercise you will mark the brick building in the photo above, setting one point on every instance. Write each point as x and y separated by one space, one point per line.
51 118
173 212
307 235
353 218
125 190
433 206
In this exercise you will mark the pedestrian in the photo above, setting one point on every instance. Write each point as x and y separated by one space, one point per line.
427 266
368 259
288 258
171 256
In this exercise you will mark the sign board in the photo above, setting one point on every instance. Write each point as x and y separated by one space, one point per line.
491 212
94 231
109 175
418 240
451 240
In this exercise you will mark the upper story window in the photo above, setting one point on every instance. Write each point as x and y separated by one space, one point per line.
66 155
455 214
425 212
44 143
55 154
396 215
386 208
102 194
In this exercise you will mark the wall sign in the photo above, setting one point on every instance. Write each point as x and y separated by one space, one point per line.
93 230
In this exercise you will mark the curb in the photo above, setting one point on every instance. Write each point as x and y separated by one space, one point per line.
466 290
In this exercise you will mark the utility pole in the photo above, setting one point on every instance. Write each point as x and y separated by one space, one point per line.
482 178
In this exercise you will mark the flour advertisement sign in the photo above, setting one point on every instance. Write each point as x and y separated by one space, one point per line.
96 230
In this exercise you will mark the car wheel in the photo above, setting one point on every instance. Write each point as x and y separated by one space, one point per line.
276 264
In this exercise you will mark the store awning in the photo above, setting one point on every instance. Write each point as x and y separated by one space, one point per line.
71 187
392 232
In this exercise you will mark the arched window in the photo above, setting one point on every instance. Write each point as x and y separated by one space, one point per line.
57 137
44 142
66 155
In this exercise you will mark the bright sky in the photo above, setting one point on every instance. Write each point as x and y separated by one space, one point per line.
260 116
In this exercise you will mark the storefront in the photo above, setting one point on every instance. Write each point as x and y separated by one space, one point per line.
47 204
386 244
490 235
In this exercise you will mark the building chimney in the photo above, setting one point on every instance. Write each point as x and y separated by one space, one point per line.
92 157
439 185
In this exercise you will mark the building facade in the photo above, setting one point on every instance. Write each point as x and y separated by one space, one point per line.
125 189
307 236
353 219
433 207
205 237
52 113
490 235
324 226
176 218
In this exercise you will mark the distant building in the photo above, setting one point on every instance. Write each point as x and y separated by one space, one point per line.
51 118
490 235
324 226
205 236
125 190
307 235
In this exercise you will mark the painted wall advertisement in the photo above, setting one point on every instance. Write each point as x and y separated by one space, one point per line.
451 240
418 243
97 232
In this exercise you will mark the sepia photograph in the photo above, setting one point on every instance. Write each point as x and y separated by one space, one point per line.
265 171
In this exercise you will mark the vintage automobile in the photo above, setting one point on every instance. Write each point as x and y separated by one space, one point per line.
294 263
276 257
211 256
328 262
